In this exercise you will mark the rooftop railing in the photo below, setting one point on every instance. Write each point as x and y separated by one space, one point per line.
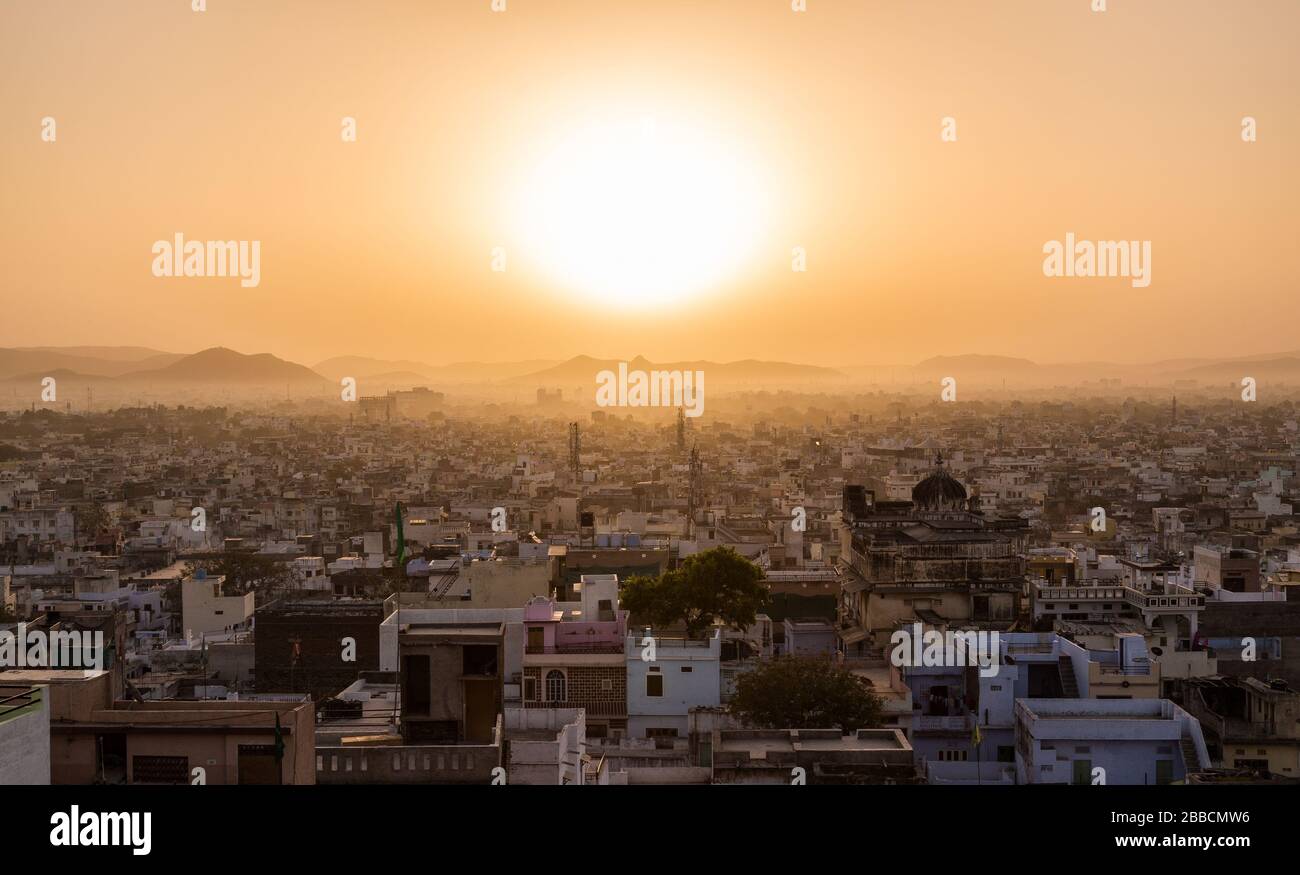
576 647
18 701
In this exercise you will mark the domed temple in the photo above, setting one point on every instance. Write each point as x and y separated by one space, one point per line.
936 559
939 491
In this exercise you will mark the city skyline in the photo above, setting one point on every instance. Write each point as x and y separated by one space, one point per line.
403 402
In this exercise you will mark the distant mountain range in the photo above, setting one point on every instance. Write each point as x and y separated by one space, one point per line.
94 361
149 367
582 370
1278 367
136 368
459 372
221 365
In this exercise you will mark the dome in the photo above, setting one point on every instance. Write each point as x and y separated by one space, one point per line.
940 490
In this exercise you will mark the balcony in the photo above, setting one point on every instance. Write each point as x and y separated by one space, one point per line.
1080 593
1132 671
959 723
575 647
593 708
1179 599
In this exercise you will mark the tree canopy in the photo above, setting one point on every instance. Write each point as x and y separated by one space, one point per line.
717 584
801 692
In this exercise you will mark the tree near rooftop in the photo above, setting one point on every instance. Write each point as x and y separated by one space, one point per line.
717 584
804 692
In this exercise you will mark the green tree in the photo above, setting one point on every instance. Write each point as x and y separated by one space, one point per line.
799 692
245 572
718 584
89 519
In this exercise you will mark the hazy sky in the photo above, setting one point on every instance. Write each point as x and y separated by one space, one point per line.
818 129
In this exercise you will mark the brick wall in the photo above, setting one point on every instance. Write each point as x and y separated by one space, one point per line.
586 685
320 670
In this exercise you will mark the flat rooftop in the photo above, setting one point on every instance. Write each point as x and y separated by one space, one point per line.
19 676
761 742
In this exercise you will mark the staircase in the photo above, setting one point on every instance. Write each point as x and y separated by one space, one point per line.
1069 689
1190 760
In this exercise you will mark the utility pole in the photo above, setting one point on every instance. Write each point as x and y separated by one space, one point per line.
693 496
575 451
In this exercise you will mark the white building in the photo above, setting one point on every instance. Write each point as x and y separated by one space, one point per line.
668 678
204 609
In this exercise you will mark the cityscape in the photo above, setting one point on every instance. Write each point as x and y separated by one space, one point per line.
407 400
429 588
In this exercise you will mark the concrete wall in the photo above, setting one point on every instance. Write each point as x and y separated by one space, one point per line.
407 764
512 617
25 741
506 584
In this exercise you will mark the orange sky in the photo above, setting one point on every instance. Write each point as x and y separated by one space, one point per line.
225 125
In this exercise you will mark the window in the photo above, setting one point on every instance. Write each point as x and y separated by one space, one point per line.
479 660
556 687
536 639
687 668
654 685
160 770
416 691
530 689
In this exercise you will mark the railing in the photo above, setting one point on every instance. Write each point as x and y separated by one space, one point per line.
959 723
593 709
1044 648
1137 671
12 703
575 647
1081 593
1181 599
673 642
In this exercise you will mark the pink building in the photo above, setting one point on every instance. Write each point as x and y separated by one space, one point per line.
573 654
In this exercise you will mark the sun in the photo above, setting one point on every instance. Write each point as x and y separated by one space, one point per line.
641 214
